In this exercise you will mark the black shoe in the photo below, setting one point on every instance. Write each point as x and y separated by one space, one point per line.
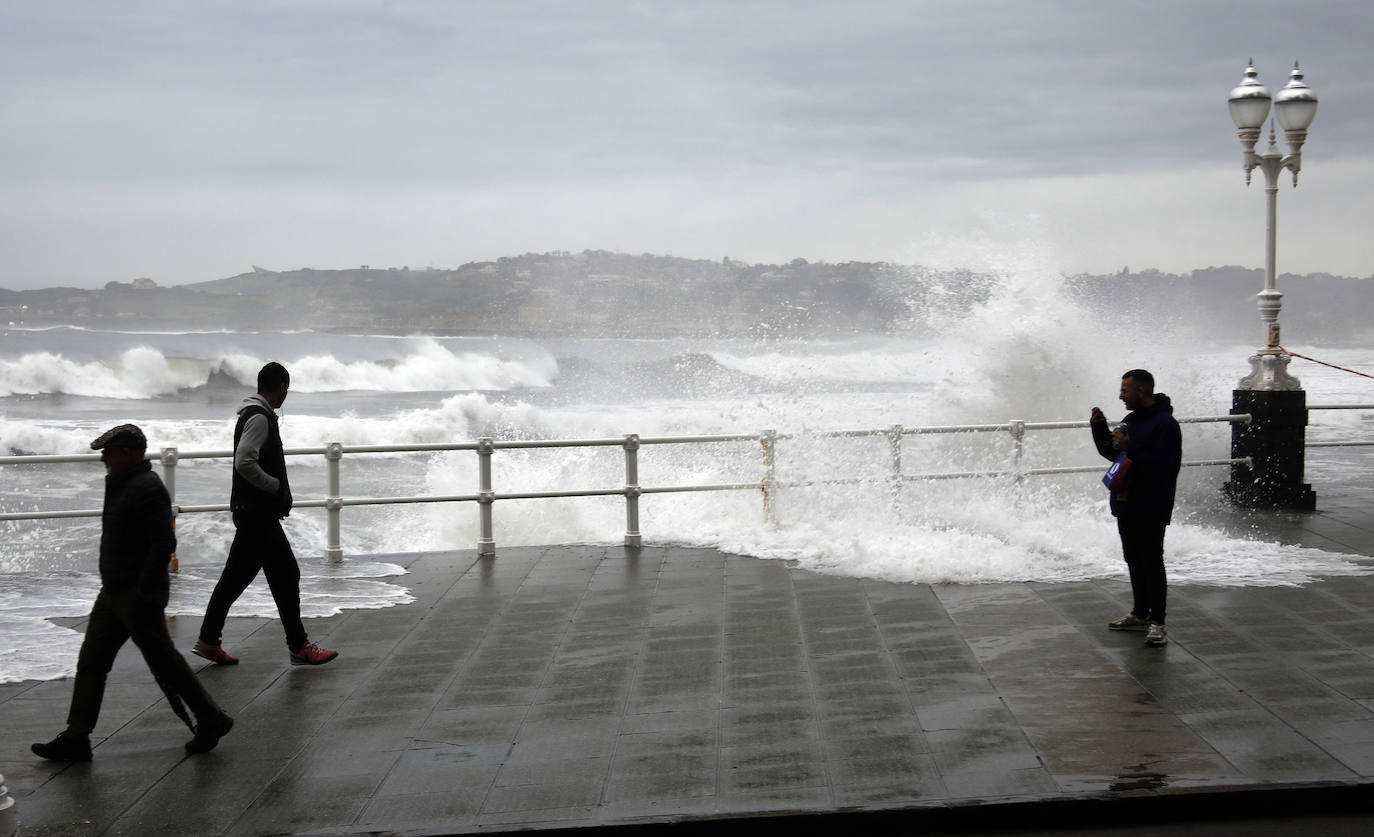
65 747
209 732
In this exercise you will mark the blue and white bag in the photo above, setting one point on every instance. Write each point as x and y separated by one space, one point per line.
1115 478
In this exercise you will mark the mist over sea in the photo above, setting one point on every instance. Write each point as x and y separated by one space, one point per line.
1027 353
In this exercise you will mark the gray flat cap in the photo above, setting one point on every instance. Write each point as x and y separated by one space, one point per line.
123 436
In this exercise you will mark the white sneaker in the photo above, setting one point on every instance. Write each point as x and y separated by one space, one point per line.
1157 636
1129 622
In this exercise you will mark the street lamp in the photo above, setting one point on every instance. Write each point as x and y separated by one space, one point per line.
1272 443
1295 106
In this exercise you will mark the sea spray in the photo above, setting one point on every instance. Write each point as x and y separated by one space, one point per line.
137 370
1019 348
34 648
138 373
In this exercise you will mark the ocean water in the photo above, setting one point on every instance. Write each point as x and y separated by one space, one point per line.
1027 353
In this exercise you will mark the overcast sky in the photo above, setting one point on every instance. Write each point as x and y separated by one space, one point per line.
188 141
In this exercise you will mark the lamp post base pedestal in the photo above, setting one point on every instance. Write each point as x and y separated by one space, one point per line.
1259 496
1274 440
1269 371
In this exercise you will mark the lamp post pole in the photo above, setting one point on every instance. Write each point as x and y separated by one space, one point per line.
1274 439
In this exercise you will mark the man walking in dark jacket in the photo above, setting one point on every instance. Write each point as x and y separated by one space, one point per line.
136 544
259 497
1150 437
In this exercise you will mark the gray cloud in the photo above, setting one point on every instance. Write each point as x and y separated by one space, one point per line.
322 132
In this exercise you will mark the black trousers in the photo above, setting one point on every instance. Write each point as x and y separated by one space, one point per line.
259 545
1142 544
115 618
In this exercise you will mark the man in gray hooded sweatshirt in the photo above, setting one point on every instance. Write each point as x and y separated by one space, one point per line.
260 497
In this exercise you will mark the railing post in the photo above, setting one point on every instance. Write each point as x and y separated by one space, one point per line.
1018 440
486 543
169 474
894 447
169 479
632 536
333 504
769 440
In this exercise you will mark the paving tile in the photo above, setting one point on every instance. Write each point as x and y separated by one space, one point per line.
883 704
1149 773
435 770
1107 753
369 734
668 700
543 785
589 687
311 763
799 709
888 778
547 708
963 713
766 755
564 739
790 775
651 744
278 809
752 798
982 749
664 673
662 766
440 810
537 818
478 725
222 793
838 727
868 747
993 781
671 721
763 658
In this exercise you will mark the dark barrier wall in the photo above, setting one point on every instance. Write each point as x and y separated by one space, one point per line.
1275 439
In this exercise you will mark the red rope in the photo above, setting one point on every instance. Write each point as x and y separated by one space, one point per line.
1324 363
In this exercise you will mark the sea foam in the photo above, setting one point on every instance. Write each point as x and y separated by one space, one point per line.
144 372
1026 352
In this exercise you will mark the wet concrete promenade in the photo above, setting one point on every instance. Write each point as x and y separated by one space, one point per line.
566 687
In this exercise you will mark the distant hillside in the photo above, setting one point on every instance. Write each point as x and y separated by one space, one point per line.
614 294
1220 302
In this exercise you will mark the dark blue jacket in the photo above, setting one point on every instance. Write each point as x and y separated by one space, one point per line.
1155 448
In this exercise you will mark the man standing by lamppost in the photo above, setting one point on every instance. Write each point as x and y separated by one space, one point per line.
136 542
1273 439
1149 437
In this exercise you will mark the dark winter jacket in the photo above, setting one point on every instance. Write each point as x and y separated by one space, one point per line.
136 536
1155 448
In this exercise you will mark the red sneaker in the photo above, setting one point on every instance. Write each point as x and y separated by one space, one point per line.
214 653
312 655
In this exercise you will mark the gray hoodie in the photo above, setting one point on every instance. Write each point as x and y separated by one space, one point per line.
250 444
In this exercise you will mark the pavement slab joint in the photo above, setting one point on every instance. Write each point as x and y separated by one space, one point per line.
669 686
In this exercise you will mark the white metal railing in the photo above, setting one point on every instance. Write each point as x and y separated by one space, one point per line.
486 495
1351 444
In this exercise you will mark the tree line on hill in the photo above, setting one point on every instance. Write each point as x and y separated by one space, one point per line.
598 293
